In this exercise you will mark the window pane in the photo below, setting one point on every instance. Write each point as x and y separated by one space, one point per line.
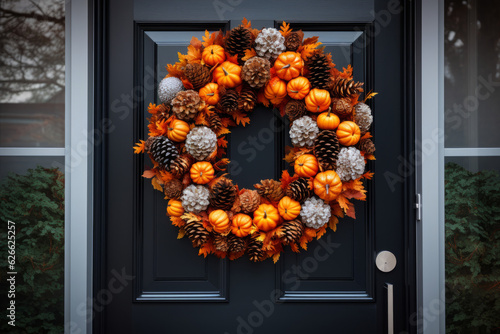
472 225
32 73
472 73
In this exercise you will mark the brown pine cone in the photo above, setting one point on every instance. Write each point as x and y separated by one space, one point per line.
180 165
196 232
197 74
345 87
293 41
236 245
186 104
367 146
173 189
255 251
299 189
215 122
342 107
326 149
249 201
295 109
292 231
256 72
228 102
164 112
238 40
222 194
220 243
247 99
270 189
319 71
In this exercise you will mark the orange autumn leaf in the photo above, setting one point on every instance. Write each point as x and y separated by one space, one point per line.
195 42
208 39
261 98
366 136
285 29
166 176
311 40
177 221
153 108
246 24
336 209
241 118
149 173
233 59
332 223
201 119
221 142
181 233
276 257
370 95
368 175
343 202
306 51
156 184
249 53
186 83
219 165
205 250
286 179
194 54
174 71
139 148
234 256
223 131
370 157
294 247
321 231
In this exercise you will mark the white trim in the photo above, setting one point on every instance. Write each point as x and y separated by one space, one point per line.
32 151
432 313
78 233
472 152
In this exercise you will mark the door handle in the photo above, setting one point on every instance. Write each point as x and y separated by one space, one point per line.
390 308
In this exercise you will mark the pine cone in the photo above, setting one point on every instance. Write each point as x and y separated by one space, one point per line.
168 89
236 245
319 71
228 102
186 105
256 72
201 142
326 149
173 189
197 74
295 109
222 194
181 165
195 198
270 189
363 116
351 164
196 232
299 189
215 122
315 212
345 88
163 151
255 251
367 146
247 99
304 131
249 201
342 107
164 112
238 40
221 243
269 43
293 41
292 231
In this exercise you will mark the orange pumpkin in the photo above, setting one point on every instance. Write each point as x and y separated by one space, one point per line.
202 172
219 220
266 217
318 100
242 225
348 133
177 130
328 120
174 208
288 208
213 54
228 74
275 90
298 88
288 65
327 185
210 93
306 165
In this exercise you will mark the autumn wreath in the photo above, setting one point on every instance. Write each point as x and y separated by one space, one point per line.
214 87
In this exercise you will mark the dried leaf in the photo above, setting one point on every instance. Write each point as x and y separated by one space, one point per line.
194 53
208 39
156 184
332 223
245 23
285 29
321 231
261 98
205 249
153 108
177 221
286 179
149 173
306 51
276 257
241 118
233 59
370 95
181 233
219 165
174 71
166 176
366 136
249 54
222 142
294 247
139 147
368 175
310 40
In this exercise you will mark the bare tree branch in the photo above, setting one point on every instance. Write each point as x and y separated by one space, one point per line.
32 15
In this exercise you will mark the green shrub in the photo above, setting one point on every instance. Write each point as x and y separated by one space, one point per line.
472 215
35 202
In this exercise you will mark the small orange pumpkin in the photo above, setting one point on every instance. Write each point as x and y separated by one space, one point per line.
228 74
327 185
306 165
318 100
328 120
219 220
288 208
288 65
177 130
242 225
275 90
348 133
174 208
213 54
202 172
266 217
210 93
298 88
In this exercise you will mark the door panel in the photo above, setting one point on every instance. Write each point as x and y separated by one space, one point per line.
334 285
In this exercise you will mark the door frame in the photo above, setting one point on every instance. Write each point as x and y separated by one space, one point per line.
85 229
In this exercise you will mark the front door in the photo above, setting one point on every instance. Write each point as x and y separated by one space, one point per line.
334 286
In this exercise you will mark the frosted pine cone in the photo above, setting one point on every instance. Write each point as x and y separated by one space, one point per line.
168 89
201 142
350 164
195 198
363 117
315 212
269 43
249 201
304 131
186 105
256 71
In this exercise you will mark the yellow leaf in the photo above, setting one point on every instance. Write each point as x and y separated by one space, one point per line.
208 39
181 233
156 184
370 95
307 50
285 29
139 148
276 257
194 54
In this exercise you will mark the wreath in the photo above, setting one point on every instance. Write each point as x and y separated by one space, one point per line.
214 87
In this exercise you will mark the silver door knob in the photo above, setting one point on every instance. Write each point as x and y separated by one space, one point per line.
385 261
